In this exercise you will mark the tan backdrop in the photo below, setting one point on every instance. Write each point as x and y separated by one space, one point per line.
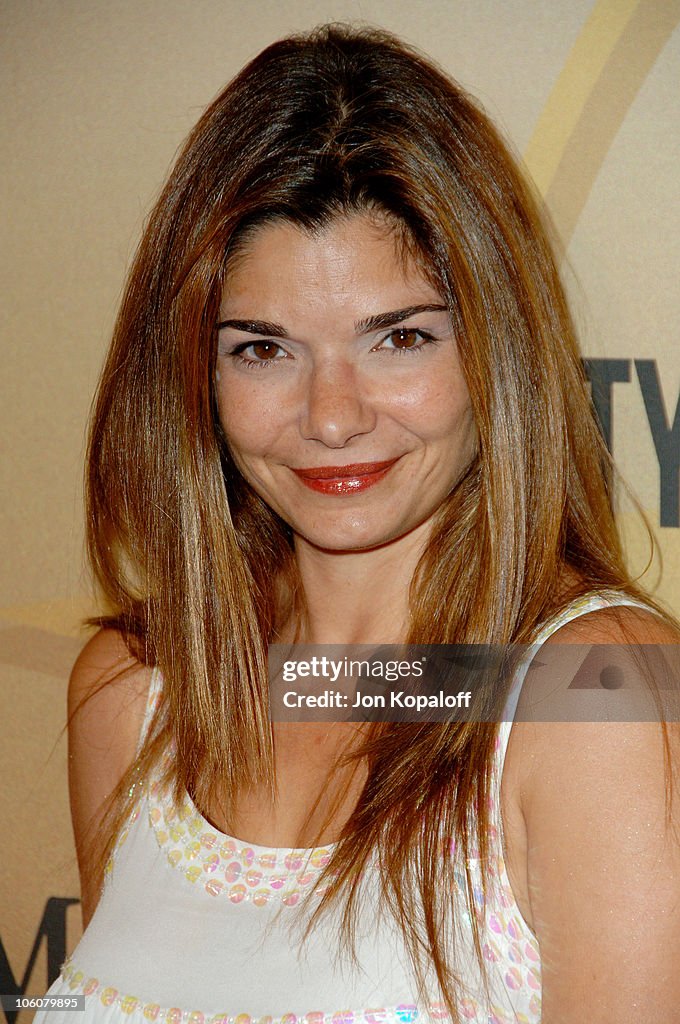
96 99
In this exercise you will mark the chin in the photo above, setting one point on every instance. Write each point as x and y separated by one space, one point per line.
346 547
354 537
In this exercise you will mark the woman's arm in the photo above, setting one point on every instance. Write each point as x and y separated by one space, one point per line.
106 701
603 863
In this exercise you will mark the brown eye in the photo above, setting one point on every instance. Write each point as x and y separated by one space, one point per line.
405 337
265 350
258 353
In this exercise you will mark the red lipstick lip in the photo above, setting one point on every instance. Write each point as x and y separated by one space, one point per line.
344 480
355 469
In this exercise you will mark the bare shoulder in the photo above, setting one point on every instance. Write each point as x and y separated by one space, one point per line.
106 668
602 850
616 624
631 635
107 697
556 750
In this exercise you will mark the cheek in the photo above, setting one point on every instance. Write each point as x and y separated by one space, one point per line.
436 409
250 420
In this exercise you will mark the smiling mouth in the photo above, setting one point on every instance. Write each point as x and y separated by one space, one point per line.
358 476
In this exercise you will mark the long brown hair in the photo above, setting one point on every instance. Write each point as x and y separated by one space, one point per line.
192 562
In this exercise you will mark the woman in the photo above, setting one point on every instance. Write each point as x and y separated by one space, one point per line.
344 403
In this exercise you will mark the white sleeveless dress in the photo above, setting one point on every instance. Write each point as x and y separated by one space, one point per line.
197 927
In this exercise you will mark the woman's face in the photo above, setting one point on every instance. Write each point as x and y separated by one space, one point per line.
339 385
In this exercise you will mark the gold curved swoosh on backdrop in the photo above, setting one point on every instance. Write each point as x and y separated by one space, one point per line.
604 71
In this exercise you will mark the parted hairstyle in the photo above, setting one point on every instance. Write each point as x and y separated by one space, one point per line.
196 568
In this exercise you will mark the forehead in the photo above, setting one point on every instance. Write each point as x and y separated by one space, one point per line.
356 263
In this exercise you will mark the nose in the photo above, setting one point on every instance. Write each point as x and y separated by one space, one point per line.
335 407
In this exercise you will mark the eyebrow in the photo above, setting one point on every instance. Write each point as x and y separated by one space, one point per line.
367 326
382 320
255 327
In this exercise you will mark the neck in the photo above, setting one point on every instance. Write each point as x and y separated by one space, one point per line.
359 596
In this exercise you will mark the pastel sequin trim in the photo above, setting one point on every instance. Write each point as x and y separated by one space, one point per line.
225 866
406 1013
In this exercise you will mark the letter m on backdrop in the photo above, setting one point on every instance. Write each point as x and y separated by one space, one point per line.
52 929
